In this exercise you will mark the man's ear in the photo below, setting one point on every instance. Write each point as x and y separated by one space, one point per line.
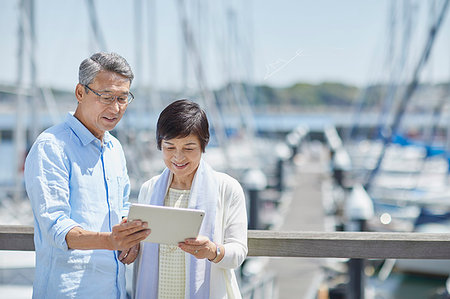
80 92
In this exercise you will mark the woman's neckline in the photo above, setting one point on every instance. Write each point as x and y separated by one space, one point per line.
179 190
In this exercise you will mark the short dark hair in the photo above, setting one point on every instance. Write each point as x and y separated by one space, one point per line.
180 119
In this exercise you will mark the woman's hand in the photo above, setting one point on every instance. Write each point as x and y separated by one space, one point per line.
201 247
128 256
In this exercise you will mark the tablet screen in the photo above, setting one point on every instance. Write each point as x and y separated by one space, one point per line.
168 225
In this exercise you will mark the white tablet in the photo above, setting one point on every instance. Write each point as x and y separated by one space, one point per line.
169 225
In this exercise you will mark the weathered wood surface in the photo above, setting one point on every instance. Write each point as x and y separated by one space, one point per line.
349 244
16 237
303 244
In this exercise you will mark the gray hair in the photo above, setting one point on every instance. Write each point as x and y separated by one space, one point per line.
102 61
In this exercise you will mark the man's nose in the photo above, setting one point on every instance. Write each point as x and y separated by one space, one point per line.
115 106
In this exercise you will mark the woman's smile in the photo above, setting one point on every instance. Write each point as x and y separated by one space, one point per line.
180 165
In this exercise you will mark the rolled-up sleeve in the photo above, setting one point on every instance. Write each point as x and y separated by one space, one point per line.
235 231
47 183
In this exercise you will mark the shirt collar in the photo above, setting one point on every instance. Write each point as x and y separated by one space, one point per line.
82 132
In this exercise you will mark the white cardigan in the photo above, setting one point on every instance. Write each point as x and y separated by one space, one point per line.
230 230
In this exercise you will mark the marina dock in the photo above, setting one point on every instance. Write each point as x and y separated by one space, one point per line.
344 158
303 211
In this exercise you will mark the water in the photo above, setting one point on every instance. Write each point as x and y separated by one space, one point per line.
409 286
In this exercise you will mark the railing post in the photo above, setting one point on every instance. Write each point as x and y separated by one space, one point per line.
357 279
356 274
254 209
254 181
359 208
283 153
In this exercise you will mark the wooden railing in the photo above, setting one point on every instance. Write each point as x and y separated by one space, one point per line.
16 237
365 245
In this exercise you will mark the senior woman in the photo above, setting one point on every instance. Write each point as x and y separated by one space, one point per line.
202 267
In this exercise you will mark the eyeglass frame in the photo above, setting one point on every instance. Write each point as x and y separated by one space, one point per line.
114 98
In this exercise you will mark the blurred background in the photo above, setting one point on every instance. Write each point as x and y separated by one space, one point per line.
333 115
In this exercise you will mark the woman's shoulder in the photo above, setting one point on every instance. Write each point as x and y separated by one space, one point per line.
146 189
150 183
227 181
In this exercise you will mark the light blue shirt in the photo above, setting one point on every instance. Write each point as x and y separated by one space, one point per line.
74 180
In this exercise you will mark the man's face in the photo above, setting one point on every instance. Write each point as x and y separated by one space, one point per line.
96 116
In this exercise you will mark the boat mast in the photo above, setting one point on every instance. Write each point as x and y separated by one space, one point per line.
99 40
411 88
397 69
152 54
138 44
207 94
238 66
26 47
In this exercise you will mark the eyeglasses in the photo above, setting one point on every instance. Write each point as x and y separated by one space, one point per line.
108 99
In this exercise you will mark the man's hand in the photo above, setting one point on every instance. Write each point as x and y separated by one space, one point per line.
128 234
130 255
123 236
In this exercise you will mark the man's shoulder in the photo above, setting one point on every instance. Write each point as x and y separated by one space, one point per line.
56 134
49 144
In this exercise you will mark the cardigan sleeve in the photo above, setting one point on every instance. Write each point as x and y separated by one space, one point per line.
235 225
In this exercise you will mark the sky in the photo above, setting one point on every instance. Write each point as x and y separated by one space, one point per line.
278 43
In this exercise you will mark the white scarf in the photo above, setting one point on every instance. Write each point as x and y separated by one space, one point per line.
204 195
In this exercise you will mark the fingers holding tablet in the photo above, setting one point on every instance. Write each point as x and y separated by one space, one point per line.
128 234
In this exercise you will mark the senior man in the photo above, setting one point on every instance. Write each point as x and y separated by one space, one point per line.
77 182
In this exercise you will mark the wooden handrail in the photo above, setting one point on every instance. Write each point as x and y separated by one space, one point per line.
16 237
366 245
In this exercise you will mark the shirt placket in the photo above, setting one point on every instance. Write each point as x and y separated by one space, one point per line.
108 182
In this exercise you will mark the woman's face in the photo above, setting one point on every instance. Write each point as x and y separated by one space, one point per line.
182 156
